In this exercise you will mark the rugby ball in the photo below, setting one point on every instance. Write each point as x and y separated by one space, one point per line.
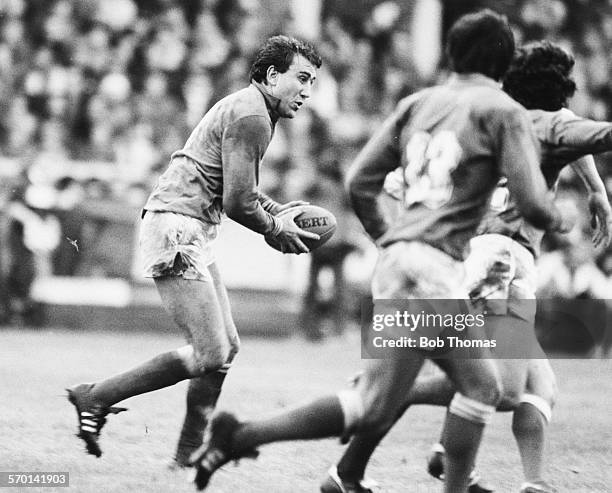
313 219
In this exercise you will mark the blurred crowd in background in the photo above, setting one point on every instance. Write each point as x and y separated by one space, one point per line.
96 94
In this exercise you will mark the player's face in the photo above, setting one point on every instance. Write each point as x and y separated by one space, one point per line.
294 86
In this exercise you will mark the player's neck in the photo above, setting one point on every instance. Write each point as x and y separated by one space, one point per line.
271 101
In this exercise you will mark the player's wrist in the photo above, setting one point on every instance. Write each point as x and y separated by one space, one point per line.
278 226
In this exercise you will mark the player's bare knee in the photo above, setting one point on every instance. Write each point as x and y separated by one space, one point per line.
214 358
353 411
487 391
199 363
234 347
510 399
554 392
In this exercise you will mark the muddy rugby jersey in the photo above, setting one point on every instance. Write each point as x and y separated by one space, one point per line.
453 143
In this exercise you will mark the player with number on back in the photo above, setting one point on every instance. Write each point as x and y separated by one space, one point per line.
501 266
453 141
216 171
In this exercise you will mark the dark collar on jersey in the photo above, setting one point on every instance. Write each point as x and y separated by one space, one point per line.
473 78
271 102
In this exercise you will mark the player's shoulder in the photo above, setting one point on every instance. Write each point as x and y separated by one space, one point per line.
243 103
407 104
496 101
498 110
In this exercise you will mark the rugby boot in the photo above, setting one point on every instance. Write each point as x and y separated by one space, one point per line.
91 416
217 449
334 484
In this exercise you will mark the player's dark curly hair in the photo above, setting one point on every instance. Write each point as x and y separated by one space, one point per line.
539 76
481 42
279 51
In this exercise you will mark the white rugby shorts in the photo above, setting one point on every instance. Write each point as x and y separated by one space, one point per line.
502 271
176 245
417 270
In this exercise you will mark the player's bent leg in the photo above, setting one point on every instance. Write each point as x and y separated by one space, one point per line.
195 308
530 422
204 391
366 407
432 389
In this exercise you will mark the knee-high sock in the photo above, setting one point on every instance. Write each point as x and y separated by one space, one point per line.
202 396
461 440
464 426
529 423
162 371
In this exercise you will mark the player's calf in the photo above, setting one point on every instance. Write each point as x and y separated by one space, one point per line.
202 396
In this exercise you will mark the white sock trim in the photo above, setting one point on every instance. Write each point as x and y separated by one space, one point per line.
470 409
539 403
352 408
438 448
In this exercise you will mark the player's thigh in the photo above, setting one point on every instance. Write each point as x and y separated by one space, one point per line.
541 380
513 375
195 308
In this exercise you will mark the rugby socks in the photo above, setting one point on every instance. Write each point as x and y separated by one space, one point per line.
461 442
321 418
354 461
529 423
162 371
202 396
464 426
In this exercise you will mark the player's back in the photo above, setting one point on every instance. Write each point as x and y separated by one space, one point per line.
454 139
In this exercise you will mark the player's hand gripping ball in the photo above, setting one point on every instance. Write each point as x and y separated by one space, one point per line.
313 219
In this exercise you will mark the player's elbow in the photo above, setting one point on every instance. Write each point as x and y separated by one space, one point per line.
235 209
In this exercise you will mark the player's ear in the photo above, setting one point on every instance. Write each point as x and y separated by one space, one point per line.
272 75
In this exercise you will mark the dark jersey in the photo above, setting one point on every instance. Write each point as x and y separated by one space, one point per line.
564 137
220 162
453 142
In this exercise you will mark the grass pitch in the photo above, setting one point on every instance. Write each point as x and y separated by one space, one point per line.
37 424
